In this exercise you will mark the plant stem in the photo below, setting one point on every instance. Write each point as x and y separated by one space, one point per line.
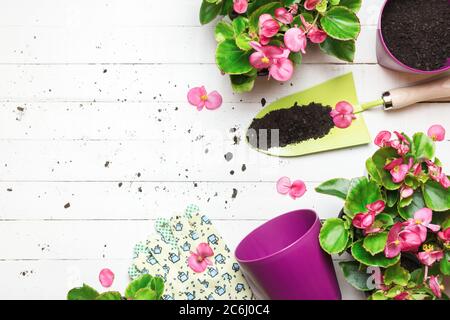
370 105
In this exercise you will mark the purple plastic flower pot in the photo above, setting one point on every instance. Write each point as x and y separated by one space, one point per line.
387 59
283 260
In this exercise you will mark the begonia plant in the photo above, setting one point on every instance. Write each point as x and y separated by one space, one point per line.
267 37
395 221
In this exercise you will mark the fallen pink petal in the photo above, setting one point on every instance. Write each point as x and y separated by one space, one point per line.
342 115
199 98
295 189
106 278
436 132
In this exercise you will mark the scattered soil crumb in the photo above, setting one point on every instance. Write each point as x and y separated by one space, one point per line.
67 205
228 156
234 194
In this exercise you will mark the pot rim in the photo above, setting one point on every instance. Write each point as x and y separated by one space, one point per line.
285 248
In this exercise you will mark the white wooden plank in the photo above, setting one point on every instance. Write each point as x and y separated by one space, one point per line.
136 200
161 160
148 121
145 83
90 14
53 279
91 240
136 45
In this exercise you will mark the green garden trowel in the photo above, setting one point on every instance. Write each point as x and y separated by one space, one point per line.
343 88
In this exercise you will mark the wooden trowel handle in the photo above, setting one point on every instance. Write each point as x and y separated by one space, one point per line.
402 97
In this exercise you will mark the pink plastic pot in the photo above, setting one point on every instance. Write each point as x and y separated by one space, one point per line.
386 58
283 260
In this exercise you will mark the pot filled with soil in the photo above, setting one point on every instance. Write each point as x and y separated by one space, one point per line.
414 36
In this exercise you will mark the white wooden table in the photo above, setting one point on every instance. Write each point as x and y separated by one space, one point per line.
97 139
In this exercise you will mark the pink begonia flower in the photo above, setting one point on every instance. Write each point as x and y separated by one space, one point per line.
282 67
406 192
106 278
283 15
420 223
401 144
264 55
295 189
393 244
436 132
434 171
376 207
445 235
363 220
199 98
295 40
435 286
342 114
293 8
401 240
311 4
430 256
382 139
199 260
316 35
402 296
268 26
398 169
313 32
274 58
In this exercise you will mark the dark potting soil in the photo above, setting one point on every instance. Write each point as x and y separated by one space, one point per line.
417 32
295 124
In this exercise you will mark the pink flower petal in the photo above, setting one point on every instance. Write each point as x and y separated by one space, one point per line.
344 107
106 278
406 192
394 163
204 250
316 35
399 173
268 26
240 6
298 189
410 240
283 15
343 121
214 101
255 45
311 4
392 250
295 40
376 207
444 181
363 220
382 138
282 69
436 132
417 229
196 263
259 61
195 95
423 215
283 185
435 286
